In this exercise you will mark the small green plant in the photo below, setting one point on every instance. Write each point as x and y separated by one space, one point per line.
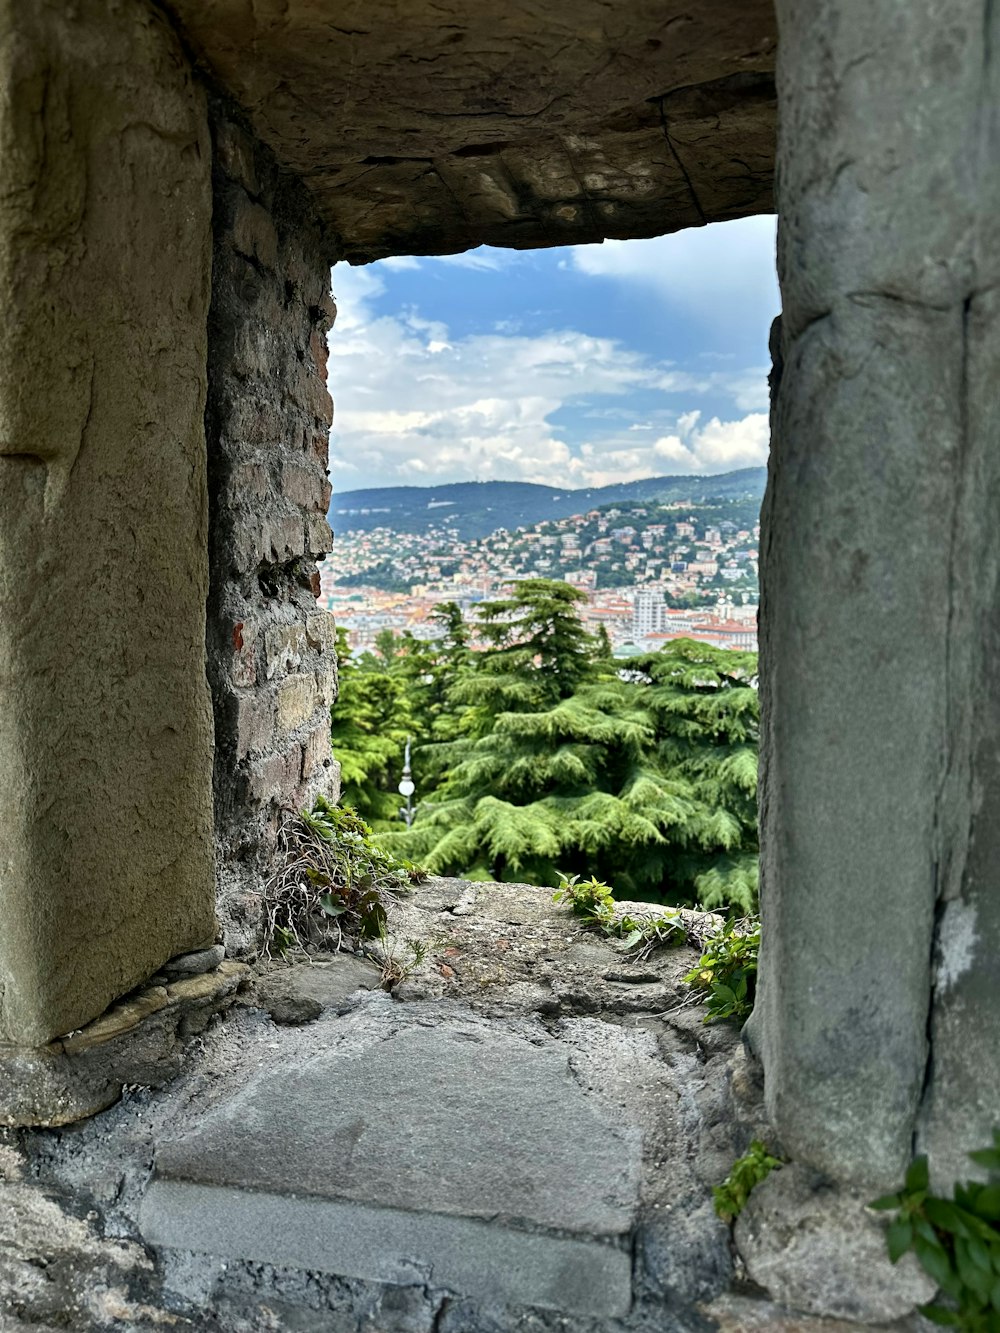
640 935
332 877
747 1171
397 958
593 900
957 1241
727 969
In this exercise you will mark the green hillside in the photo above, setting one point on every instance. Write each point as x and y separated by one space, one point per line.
477 508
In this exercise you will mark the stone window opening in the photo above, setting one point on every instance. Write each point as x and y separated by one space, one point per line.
177 180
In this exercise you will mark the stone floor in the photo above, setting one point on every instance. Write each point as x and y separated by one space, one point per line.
521 1134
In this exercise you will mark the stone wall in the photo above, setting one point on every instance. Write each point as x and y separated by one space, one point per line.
105 722
270 649
879 973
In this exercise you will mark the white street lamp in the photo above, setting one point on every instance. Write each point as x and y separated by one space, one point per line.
407 788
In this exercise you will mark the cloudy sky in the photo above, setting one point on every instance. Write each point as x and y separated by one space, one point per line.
572 367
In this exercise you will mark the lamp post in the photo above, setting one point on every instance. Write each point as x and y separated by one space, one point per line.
407 788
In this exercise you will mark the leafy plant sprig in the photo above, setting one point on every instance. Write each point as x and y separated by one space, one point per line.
746 1172
727 969
957 1241
593 900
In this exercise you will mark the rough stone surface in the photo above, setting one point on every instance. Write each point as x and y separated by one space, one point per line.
187 964
447 1169
425 128
665 1084
743 1314
687 1093
300 993
445 1118
819 1249
878 757
271 662
509 946
490 1262
139 1040
58 1271
105 728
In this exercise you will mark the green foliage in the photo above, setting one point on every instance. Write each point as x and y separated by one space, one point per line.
535 638
386 697
396 958
727 969
370 723
538 753
332 878
957 1241
591 899
747 1171
594 901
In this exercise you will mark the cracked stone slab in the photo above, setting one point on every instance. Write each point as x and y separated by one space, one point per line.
448 1153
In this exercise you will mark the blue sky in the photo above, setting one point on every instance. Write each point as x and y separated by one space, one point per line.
573 367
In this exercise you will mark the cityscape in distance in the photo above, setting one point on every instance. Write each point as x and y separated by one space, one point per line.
657 559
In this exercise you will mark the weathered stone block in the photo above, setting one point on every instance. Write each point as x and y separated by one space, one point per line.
275 777
136 1041
309 392
105 247
328 310
814 1248
254 422
303 485
320 351
190 964
319 538
321 631
316 751
297 701
250 481
319 402
243 663
284 646
284 537
327 680
254 234
324 782
448 1174
300 993
254 724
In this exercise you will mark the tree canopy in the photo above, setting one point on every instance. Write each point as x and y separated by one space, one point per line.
536 753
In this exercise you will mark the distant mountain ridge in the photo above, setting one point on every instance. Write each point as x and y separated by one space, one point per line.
477 508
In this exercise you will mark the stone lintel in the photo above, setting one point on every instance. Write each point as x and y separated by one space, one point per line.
608 122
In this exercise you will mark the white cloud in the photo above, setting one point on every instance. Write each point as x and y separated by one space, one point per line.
718 274
354 289
396 263
483 258
718 446
414 402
